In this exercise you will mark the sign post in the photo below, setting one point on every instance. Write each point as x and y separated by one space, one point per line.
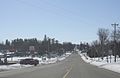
32 50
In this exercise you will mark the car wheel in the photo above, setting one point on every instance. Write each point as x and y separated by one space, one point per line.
35 64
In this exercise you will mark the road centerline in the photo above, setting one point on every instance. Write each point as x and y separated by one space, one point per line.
68 71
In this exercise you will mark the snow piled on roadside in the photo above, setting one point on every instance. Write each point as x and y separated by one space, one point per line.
102 63
14 66
85 58
18 66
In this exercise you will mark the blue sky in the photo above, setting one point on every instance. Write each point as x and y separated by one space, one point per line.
65 20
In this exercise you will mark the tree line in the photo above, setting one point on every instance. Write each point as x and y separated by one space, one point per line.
45 46
108 44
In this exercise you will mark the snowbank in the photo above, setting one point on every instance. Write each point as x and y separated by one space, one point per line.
113 67
102 63
14 66
18 66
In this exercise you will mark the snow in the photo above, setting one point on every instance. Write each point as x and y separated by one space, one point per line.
102 63
14 66
61 58
41 61
1 54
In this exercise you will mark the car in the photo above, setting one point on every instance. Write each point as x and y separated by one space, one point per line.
29 61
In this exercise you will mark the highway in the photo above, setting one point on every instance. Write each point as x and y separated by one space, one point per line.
72 67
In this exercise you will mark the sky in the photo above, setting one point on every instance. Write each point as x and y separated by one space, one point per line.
66 20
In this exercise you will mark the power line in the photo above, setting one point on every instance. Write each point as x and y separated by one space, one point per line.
55 13
41 8
65 10
61 8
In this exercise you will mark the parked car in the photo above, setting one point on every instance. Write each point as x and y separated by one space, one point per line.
29 61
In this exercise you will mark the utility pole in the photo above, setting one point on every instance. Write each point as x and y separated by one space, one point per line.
115 28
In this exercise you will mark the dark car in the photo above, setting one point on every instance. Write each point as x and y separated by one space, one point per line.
29 61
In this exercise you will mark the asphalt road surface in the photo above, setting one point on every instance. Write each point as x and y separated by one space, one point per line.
72 67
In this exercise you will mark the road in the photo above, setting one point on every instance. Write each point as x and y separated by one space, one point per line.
72 67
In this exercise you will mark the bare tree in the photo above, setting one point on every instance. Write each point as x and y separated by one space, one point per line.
115 37
103 38
118 35
96 47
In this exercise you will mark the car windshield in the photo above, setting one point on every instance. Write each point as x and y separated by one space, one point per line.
59 39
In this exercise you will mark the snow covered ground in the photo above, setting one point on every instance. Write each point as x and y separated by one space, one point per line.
18 66
102 63
14 66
